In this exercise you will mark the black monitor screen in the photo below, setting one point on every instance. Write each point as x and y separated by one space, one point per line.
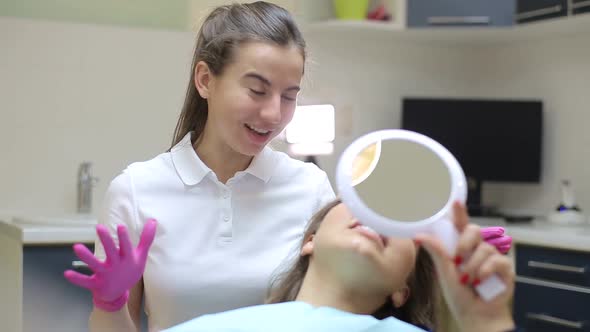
493 140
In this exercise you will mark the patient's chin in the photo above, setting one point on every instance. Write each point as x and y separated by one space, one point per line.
357 269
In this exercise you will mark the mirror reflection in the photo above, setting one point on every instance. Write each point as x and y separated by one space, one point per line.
364 164
404 182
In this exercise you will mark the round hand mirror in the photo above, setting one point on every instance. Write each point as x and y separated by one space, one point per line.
401 183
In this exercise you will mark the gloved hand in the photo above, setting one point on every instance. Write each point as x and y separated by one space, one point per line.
121 270
496 237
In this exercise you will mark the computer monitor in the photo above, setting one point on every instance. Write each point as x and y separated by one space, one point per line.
493 140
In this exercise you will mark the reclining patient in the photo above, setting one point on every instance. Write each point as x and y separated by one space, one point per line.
348 278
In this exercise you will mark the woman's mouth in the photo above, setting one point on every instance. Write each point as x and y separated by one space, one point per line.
370 233
258 131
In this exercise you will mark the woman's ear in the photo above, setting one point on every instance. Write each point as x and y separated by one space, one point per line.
202 79
400 296
307 248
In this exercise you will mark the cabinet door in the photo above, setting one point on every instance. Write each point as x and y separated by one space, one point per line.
423 13
580 6
541 306
534 10
564 266
50 302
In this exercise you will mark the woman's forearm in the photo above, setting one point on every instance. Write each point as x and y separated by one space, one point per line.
118 321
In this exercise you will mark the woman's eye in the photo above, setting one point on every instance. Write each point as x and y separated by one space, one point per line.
257 92
289 98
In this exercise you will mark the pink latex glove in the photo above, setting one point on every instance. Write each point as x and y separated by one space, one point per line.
496 237
121 270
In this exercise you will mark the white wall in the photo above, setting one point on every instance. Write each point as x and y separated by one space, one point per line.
557 72
554 71
72 92
366 78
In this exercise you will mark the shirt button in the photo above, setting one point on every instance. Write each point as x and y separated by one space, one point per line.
225 194
226 218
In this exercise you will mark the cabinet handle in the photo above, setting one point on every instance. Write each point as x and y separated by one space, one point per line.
557 267
581 4
539 12
555 320
449 20
553 284
78 264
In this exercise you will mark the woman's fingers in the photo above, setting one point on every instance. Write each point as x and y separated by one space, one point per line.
125 246
469 239
80 279
472 265
496 264
492 232
504 249
147 237
460 216
88 257
500 241
108 244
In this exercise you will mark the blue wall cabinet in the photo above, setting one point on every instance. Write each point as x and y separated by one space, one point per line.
580 6
535 10
552 290
440 13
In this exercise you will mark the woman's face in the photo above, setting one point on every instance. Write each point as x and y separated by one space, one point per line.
348 248
254 97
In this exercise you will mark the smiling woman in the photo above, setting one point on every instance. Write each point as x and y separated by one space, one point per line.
228 208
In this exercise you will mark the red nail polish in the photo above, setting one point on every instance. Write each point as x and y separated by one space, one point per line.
476 282
464 278
417 242
458 260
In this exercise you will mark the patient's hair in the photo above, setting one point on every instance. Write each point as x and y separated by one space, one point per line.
419 309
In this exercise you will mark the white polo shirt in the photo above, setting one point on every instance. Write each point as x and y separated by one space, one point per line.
217 244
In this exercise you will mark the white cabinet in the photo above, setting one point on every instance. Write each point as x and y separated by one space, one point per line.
34 295
322 11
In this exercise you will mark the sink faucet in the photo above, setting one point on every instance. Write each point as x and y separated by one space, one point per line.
85 184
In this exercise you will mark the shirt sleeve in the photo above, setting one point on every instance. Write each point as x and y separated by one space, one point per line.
118 208
325 193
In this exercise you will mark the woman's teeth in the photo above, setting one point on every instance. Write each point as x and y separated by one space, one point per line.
372 233
368 229
258 130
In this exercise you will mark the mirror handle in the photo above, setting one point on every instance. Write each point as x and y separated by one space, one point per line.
489 288
445 230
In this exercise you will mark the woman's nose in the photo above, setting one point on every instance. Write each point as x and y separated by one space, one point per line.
271 112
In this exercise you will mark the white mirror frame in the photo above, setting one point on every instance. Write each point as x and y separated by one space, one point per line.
383 224
439 224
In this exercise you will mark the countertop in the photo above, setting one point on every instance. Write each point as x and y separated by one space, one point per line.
81 228
38 230
542 233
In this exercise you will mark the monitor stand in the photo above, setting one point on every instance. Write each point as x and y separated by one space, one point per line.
474 206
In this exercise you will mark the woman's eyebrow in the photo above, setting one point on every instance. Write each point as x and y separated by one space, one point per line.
259 77
267 82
